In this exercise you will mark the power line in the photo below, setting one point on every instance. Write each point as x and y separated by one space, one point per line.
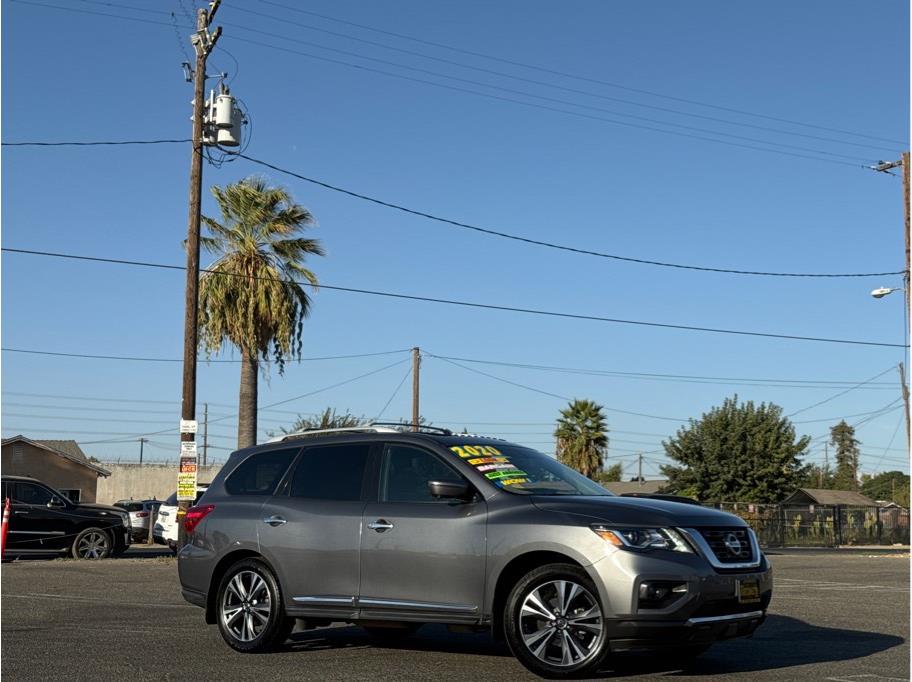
551 245
523 93
883 455
468 304
565 74
93 143
482 94
482 230
395 392
503 74
547 393
837 395
778 383
682 378
148 359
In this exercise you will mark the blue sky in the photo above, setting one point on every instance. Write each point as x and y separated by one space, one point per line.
529 170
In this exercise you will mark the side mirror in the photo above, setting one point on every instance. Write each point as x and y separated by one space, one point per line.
450 490
56 502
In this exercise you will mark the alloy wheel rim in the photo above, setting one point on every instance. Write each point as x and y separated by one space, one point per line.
94 545
246 606
560 623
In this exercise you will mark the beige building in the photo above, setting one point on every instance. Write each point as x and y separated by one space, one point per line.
60 463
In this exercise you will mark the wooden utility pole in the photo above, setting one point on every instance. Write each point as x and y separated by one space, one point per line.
640 469
205 433
886 167
203 43
416 384
904 387
142 441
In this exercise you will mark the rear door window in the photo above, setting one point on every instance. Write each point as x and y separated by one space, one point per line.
331 472
30 493
260 473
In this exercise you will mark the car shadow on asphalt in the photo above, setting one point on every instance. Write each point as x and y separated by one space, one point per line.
782 642
428 638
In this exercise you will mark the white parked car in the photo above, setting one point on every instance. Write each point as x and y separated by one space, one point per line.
164 531
141 512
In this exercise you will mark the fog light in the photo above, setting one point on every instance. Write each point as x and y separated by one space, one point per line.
660 594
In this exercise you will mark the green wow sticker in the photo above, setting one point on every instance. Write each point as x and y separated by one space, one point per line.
491 462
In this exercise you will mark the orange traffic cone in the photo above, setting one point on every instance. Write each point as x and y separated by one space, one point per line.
6 506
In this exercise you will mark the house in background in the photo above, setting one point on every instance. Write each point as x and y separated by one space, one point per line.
627 487
60 463
830 498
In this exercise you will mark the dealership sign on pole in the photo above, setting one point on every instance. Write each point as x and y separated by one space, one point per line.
186 476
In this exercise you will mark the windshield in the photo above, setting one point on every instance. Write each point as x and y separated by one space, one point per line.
523 470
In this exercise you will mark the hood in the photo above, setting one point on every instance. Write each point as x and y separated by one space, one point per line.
636 511
111 509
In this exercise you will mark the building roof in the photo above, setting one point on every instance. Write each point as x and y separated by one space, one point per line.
829 497
68 449
623 487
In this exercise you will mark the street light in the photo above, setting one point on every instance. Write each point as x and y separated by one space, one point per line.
884 291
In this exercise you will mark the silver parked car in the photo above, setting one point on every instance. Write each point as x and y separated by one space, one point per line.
391 529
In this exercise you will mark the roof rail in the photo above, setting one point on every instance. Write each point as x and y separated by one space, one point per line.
373 427
399 426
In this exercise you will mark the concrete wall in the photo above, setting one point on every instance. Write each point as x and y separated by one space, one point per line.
22 459
144 481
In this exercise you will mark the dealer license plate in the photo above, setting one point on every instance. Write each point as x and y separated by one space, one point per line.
748 591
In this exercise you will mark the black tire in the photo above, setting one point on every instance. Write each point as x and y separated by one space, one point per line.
555 642
395 633
249 610
92 543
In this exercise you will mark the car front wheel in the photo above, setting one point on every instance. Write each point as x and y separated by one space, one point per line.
554 623
92 543
251 617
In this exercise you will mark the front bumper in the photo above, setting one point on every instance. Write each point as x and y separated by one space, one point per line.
709 610
651 635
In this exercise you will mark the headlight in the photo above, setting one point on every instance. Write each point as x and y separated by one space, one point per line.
643 538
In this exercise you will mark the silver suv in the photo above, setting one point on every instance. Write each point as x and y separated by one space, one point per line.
390 529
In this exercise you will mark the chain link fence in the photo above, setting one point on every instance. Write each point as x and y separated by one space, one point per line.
818 525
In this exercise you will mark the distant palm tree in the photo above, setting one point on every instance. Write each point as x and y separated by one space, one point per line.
248 297
582 437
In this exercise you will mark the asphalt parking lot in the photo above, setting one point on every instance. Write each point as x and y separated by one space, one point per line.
835 616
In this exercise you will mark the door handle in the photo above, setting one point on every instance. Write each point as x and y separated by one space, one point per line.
380 525
275 520
20 512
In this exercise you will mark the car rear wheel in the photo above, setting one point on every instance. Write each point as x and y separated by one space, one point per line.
92 543
251 617
554 623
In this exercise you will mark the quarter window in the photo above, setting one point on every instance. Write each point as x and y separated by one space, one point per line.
260 473
29 493
406 472
331 472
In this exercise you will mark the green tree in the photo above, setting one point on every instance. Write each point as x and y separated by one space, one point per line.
739 452
248 296
842 437
582 437
891 485
610 475
327 419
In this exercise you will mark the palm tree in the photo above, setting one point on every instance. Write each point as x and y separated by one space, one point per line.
249 297
582 437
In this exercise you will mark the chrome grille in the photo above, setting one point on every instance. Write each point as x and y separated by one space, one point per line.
729 545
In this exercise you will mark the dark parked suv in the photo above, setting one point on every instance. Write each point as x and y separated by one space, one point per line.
391 529
42 520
